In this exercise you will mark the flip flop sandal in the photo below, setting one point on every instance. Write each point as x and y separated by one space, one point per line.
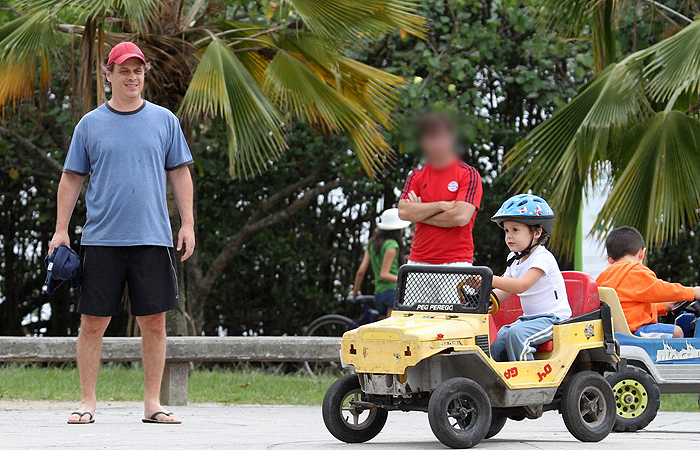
81 414
156 414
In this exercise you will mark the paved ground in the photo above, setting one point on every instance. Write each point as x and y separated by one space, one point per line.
33 425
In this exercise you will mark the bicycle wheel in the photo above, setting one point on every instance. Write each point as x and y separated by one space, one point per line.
332 325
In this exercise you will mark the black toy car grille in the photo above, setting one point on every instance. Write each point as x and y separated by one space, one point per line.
441 288
482 341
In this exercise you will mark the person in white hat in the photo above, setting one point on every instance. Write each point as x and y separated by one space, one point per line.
384 254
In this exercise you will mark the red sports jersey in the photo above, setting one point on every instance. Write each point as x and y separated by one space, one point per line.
457 182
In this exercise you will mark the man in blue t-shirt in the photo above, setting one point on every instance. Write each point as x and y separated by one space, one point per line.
130 148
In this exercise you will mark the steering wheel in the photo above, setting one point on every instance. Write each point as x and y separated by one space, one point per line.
680 306
495 305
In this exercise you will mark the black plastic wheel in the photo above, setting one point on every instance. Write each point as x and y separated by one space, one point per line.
498 421
347 422
459 412
637 398
331 325
588 406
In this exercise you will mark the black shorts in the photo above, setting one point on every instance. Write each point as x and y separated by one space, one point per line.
148 270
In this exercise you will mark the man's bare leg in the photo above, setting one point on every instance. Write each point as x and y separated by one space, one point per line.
92 328
153 343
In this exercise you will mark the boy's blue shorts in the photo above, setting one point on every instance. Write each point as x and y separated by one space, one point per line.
656 330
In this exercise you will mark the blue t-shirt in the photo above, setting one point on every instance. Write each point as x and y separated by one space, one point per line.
127 155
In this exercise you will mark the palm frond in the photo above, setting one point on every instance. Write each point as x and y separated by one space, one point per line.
373 90
559 156
141 13
25 43
353 19
568 17
658 191
402 15
675 64
576 18
294 87
222 88
254 62
318 51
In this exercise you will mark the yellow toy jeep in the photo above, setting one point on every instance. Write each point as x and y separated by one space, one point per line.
433 355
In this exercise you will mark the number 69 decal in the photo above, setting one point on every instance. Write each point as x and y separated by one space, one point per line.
510 373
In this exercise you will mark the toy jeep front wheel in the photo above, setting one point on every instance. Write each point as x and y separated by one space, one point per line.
344 416
459 412
588 406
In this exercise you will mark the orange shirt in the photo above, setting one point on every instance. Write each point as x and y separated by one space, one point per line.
639 289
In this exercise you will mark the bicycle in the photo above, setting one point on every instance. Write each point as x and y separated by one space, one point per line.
334 325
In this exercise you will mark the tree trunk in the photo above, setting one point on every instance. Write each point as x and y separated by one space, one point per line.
87 61
200 284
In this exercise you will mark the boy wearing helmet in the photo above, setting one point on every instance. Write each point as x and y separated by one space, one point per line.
533 274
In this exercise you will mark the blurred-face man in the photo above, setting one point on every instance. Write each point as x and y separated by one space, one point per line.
441 198
437 140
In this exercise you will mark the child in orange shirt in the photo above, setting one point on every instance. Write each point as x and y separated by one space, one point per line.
642 295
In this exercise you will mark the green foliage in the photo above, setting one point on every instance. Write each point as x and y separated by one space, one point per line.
292 272
353 19
636 124
500 79
483 61
226 87
486 63
660 177
222 86
28 184
557 156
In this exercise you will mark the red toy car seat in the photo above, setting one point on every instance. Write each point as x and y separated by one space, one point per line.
581 290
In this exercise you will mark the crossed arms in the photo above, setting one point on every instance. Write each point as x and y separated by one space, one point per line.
443 214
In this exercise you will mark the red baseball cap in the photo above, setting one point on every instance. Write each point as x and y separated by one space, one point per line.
123 51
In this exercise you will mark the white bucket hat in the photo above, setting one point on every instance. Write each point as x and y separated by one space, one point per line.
390 220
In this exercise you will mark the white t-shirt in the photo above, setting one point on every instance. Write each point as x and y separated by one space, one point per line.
548 295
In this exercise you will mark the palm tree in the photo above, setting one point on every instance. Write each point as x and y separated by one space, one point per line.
251 66
634 124
574 17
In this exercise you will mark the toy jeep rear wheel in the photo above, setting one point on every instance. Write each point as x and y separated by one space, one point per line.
498 421
459 412
588 406
637 398
347 421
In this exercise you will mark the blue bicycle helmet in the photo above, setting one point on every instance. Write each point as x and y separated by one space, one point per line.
528 209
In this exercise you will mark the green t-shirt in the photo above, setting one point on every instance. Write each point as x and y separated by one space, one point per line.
376 260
